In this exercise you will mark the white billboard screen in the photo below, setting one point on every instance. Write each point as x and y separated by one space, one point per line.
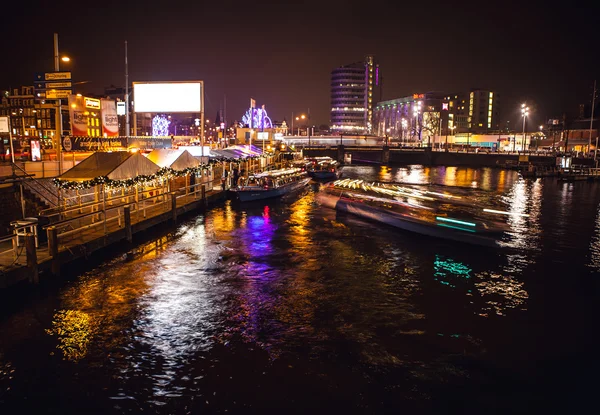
167 97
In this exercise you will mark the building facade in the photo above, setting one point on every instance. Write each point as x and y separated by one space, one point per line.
419 119
355 89
484 111
29 118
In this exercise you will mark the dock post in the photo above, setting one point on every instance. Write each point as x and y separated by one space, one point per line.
385 154
127 215
174 206
204 201
53 249
32 263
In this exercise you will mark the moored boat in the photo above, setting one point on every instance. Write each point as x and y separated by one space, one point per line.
396 207
324 169
270 184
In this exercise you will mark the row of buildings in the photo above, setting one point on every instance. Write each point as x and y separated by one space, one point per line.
357 108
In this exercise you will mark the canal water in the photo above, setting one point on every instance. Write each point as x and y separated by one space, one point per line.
287 307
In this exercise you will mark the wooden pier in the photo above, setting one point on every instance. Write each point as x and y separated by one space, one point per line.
88 227
579 173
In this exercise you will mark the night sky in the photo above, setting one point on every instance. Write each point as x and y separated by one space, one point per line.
282 54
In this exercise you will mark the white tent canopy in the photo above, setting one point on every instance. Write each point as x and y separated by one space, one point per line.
117 165
177 159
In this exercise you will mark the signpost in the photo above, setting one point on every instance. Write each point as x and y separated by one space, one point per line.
54 86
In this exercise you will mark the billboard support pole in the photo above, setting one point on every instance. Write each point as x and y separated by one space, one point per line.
202 114
126 94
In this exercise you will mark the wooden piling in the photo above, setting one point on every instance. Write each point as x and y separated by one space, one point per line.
204 201
32 263
174 206
53 249
127 215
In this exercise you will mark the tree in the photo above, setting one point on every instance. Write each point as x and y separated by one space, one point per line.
431 123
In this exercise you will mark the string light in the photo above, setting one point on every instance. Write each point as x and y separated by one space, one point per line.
165 173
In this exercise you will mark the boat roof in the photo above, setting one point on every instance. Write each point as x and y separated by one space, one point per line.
277 173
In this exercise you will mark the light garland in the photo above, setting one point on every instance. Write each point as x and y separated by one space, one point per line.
165 173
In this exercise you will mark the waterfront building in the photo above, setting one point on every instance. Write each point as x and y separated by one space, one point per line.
355 88
414 119
29 118
420 119
484 110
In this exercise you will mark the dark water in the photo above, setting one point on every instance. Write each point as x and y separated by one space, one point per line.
287 307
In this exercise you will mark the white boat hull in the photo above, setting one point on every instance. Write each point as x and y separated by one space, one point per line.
399 221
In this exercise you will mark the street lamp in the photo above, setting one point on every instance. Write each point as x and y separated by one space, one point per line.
451 129
525 113
404 125
301 117
387 140
59 123
416 112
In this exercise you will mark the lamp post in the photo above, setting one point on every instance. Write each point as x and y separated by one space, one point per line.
301 117
540 137
59 120
387 139
451 128
416 112
404 125
525 113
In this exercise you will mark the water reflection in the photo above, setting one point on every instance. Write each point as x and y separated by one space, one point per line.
595 244
74 330
446 270
500 293
211 309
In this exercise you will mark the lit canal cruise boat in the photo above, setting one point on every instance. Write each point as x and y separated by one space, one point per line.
270 184
440 215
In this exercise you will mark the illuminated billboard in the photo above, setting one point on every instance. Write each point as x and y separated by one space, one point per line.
167 97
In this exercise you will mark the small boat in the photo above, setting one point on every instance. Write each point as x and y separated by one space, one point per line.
324 169
400 208
270 184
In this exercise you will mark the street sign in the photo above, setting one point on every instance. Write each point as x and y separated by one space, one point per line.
51 85
58 93
120 108
52 76
43 86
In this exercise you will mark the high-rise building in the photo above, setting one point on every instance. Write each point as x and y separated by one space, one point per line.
355 88
483 110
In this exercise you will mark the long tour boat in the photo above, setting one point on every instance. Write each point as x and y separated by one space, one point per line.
270 184
440 215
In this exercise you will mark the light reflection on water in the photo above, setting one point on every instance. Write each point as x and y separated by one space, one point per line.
307 286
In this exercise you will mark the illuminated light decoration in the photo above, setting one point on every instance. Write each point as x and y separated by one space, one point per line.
455 227
259 117
160 126
458 222
144 180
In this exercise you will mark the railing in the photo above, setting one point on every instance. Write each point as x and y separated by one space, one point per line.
45 193
13 245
